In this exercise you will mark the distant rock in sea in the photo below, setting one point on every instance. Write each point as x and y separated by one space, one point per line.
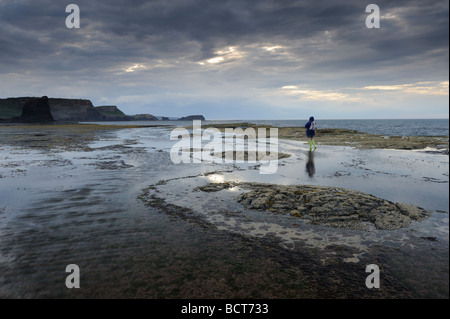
142 117
36 110
192 117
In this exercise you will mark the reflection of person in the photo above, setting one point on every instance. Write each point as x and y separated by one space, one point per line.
311 131
310 168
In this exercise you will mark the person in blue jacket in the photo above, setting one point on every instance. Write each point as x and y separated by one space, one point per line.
311 131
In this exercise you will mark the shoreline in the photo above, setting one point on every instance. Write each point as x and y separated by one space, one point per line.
346 137
327 136
77 124
115 161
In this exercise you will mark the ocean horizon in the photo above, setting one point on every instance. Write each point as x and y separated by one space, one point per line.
389 127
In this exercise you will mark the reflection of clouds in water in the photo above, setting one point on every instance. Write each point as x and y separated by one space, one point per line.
221 209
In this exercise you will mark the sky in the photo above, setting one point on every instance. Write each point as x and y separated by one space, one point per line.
237 59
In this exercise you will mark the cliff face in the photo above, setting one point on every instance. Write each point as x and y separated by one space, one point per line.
74 110
12 107
61 109
36 111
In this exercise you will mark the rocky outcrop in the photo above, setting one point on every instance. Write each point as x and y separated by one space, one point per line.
35 110
112 113
192 117
332 206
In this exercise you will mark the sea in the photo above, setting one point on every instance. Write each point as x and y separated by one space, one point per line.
61 207
389 127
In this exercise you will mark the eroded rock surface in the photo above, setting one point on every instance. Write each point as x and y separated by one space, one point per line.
332 206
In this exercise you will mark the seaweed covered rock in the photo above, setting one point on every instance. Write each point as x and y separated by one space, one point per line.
332 206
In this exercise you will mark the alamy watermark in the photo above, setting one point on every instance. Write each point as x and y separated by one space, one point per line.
373 280
373 19
236 145
73 280
73 19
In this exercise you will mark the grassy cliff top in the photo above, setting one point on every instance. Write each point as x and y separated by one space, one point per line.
110 110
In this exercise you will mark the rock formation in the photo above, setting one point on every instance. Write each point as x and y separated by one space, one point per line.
192 117
61 109
36 110
74 110
332 206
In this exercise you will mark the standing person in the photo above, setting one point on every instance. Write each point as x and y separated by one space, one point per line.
311 131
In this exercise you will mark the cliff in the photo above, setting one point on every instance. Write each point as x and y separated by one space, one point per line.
12 107
61 109
74 110
35 111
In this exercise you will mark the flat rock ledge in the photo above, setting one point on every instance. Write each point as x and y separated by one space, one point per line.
331 206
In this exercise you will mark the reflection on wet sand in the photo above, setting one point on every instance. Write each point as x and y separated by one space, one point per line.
310 168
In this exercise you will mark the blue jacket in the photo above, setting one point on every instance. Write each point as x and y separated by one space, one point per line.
308 131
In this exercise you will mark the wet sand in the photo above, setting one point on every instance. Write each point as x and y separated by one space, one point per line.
140 226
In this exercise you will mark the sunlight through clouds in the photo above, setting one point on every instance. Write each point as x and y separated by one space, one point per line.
317 95
223 56
135 67
427 88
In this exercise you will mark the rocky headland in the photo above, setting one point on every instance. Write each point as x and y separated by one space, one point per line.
35 110
61 109
70 110
192 118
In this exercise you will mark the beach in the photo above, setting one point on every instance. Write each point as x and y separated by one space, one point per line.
109 199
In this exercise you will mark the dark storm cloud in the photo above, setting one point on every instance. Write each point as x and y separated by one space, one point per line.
198 28
163 47
214 24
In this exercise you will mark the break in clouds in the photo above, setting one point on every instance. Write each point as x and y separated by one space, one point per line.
232 59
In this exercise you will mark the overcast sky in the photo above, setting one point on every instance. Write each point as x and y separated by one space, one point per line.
240 59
